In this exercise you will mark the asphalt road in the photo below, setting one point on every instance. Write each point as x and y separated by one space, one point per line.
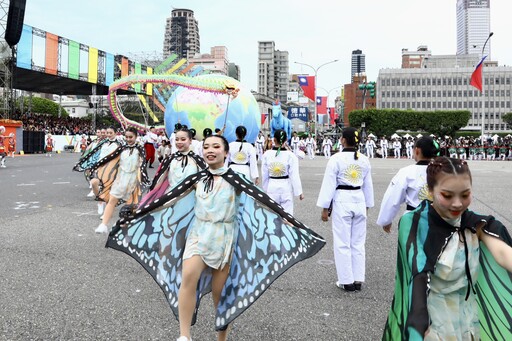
58 282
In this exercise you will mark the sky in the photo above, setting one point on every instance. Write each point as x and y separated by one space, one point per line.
313 32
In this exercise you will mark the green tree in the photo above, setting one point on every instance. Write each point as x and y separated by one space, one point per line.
388 121
43 106
507 118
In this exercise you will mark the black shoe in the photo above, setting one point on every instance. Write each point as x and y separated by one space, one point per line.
357 286
151 167
346 287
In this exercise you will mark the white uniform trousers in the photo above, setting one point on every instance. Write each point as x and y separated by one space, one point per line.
349 236
311 152
280 190
384 152
397 153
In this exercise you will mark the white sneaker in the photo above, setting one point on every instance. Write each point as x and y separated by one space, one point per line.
101 207
2 165
91 194
183 338
102 228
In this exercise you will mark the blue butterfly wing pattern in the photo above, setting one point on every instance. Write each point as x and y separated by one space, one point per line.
156 238
265 248
266 244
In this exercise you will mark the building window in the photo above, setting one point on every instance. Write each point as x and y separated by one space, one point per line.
73 110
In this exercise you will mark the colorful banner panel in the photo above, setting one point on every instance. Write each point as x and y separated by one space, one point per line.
149 86
138 70
109 69
24 55
74 60
92 76
52 54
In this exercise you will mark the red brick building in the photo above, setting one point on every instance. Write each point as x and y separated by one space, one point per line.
354 97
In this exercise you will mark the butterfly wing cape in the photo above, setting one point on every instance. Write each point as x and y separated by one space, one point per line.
419 246
89 159
107 169
268 242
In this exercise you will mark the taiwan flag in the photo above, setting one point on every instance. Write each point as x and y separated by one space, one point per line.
332 115
476 77
307 83
321 104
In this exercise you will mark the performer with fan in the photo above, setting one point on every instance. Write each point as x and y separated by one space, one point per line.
453 273
280 173
242 156
121 175
50 144
206 246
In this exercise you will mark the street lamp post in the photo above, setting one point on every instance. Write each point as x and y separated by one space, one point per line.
483 90
316 82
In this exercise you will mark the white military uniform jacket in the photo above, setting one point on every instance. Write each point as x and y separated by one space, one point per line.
243 160
408 186
342 169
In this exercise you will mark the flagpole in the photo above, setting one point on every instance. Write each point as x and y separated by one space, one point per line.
483 92
316 83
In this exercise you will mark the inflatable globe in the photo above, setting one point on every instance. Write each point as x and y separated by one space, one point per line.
199 110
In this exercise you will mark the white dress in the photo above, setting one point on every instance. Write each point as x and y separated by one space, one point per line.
127 177
213 232
179 170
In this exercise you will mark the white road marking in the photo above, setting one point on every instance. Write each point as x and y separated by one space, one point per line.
25 185
61 183
21 205
79 214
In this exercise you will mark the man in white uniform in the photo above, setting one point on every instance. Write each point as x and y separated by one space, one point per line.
370 148
347 187
295 143
260 142
384 145
326 147
396 148
310 146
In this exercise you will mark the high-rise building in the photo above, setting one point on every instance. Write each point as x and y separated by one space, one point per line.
473 26
181 34
358 63
273 68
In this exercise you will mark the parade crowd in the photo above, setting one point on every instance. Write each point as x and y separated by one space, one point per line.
228 210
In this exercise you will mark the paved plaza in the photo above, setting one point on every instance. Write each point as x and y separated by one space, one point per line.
59 282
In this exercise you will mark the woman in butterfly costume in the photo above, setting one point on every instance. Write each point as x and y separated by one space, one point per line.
175 168
453 279
230 238
121 176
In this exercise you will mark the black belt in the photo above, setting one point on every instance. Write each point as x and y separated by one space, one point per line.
410 208
240 164
279 177
348 188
